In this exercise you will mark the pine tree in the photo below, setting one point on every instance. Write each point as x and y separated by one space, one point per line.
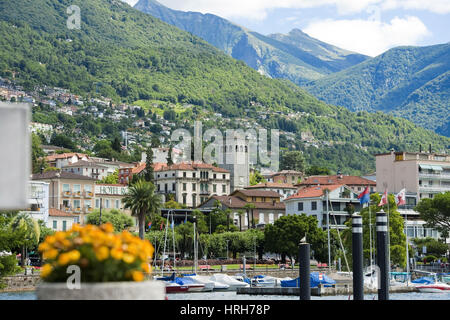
149 165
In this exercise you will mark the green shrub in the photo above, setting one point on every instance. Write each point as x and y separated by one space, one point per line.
8 265
429 259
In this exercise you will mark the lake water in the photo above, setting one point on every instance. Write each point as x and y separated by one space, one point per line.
233 296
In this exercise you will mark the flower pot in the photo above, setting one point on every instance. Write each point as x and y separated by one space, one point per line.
146 290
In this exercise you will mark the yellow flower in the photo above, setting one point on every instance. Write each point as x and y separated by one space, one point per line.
102 253
46 270
146 267
44 246
76 227
108 227
116 253
50 254
128 258
74 255
63 259
60 235
137 275
50 240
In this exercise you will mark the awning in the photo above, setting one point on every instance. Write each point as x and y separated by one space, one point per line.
425 166
437 168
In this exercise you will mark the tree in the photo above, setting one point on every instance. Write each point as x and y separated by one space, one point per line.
256 178
292 160
317 171
436 212
110 179
283 237
249 207
38 162
121 221
116 145
27 229
142 201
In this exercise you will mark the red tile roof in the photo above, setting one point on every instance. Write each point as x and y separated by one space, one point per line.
257 193
237 203
347 180
272 185
314 191
58 213
65 156
191 166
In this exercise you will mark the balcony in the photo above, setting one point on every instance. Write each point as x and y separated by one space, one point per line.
436 176
67 193
77 194
433 188
88 210
77 210
88 194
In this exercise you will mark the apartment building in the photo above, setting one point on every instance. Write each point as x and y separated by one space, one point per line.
191 183
422 174
69 192
87 168
312 201
65 159
286 176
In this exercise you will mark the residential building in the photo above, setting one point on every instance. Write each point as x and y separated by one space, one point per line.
286 176
423 175
191 183
87 168
312 201
285 190
126 173
267 207
64 159
111 165
355 183
59 220
69 192
38 198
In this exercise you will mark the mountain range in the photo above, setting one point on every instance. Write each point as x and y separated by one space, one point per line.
295 56
126 55
410 82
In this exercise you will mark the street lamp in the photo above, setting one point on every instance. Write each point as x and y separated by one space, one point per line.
227 248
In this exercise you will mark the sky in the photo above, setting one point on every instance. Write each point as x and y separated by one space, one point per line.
365 26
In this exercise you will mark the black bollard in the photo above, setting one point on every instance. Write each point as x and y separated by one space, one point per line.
382 256
305 277
357 251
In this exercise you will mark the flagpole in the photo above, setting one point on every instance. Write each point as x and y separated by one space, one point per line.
389 234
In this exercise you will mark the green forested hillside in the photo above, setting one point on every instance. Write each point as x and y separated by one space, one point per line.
127 55
412 82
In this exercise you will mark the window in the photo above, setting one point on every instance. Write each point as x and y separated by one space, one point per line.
97 203
194 204
76 204
184 199
215 176
55 224
261 218
224 176
66 203
194 186
117 204
87 188
224 188
174 186
271 218
107 204
184 174
184 186
300 206
87 203
314 205
66 187
64 225
194 175
214 188
76 188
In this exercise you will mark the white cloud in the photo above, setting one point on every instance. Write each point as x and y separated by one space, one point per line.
370 37
258 9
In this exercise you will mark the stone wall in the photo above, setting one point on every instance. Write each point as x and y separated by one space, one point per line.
20 283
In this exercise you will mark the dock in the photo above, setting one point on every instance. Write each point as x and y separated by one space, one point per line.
318 291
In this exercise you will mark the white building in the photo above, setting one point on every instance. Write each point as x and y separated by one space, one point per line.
87 168
39 200
312 201
285 190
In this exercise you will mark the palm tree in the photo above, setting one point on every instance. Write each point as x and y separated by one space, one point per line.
142 201
250 207
29 231
240 214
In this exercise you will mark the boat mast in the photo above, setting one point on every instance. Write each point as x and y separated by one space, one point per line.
173 240
195 246
164 251
328 231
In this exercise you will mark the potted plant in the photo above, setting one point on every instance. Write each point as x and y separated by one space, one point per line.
94 263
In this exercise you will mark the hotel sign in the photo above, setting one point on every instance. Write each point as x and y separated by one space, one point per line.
111 190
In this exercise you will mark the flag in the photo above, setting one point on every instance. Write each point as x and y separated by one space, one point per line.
400 198
384 199
149 225
364 196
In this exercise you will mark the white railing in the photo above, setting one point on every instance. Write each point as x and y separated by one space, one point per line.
435 175
434 188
